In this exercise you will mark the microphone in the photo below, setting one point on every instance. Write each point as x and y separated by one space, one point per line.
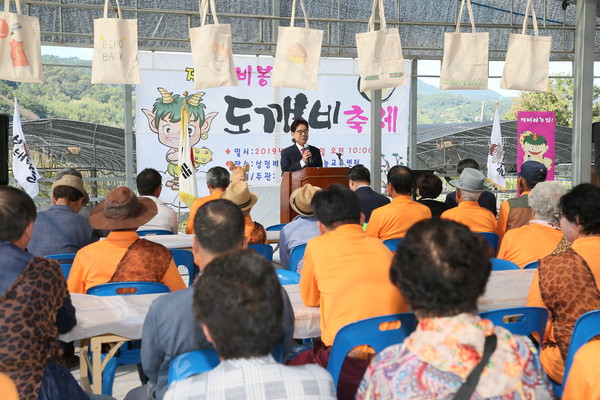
339 156
307 148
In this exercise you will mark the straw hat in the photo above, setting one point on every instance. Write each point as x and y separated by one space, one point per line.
239 193
74 182
300 199
470 180
122 209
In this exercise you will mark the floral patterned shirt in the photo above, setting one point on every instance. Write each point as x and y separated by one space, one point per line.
435 360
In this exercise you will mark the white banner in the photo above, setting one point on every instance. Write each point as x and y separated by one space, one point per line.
251 122
495 163
24 169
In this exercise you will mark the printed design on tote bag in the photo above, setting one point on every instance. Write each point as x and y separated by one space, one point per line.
297 54
535 146
112 50
384 55
17 46
165 121
220 58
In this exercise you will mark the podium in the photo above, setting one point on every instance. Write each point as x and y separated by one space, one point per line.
321 177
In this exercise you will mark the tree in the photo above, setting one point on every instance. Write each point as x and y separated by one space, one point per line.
558 98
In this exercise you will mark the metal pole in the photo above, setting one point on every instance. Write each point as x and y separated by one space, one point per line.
582 93
376 140
275 12
129 168
412 144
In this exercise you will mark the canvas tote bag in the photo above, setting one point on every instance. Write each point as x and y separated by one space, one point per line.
211 51
298 55
20 49
115 49
527 59
380 58
465 60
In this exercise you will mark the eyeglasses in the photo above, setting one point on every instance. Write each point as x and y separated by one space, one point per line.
302 132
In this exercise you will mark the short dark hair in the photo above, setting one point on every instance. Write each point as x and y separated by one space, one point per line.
359 173
441 268
17 211
147 181
582 206
219 226
529 185
401 179
298 121
467 163
218 178
238 298
67 192
336 205
429 185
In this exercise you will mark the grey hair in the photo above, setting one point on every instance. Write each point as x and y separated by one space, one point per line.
469 196
544 199
218 178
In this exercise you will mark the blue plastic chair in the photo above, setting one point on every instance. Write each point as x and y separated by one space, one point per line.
264 250
520 320
65 261
502 265
392 244
367 332
493 239
154 232
296 255
532 265
586 328
288 277
124 355
276 227
198 361
185 258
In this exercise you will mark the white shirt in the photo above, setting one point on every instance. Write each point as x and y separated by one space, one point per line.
165 218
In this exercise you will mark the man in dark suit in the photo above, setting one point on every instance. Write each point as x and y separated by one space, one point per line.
486 200
359 180
300 155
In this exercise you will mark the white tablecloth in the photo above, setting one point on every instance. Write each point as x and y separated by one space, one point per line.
179 241
124 315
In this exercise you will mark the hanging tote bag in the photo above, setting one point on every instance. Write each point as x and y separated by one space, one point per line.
298 55
465 60
527 59
211 52
380 58
115 49
20 48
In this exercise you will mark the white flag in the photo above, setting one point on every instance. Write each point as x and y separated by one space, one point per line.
188 188
495 162
23 167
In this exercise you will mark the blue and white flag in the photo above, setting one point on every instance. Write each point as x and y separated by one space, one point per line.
23 167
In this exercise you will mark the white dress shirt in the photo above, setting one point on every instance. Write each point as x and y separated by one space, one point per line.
165 218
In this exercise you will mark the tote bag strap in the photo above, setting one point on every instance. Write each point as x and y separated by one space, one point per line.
303 12
468 388
470 9
533 18
17 5
381 16
204 11
106 9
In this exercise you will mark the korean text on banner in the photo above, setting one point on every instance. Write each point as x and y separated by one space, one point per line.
23 167
298 55
115 49
536 139
20 48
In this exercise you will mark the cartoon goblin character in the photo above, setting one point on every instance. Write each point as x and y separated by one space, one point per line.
165 120
535 146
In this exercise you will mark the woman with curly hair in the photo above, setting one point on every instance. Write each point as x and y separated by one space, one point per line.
442 268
